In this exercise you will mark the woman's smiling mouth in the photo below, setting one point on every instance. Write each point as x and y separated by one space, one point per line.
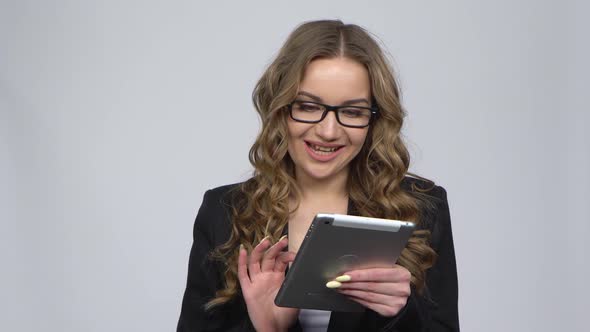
323 152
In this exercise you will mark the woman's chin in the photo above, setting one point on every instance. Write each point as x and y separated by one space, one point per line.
321 174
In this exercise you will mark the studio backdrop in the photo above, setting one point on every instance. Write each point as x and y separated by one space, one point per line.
116 116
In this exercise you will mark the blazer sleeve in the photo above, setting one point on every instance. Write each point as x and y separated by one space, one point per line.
441 279
204 274
436 310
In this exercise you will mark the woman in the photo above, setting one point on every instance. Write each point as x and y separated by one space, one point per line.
312 157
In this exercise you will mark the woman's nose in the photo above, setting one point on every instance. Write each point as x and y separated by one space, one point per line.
328 128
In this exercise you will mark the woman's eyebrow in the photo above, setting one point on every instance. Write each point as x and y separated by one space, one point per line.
319 100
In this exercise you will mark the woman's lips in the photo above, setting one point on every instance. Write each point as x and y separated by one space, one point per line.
322 152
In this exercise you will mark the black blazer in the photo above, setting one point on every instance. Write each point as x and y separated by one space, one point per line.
434 310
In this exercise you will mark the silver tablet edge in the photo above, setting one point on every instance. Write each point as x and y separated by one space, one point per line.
342 220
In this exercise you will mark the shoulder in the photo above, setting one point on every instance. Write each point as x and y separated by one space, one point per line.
221 194
432 198
213 219
423 187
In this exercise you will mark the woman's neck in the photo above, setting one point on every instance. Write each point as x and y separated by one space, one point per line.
334 188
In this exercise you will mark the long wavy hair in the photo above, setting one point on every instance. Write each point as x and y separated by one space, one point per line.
260 206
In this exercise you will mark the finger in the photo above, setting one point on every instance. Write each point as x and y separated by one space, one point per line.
256 256
383 310
395 273
283 260
378 302
268 260
243 268
386 288
370 297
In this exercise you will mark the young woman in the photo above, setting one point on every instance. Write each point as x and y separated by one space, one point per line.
330 143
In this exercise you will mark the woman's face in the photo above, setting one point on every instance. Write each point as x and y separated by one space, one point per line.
323 150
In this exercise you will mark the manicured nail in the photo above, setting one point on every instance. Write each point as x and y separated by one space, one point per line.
282 237
241 246
343 278
264 238
333 284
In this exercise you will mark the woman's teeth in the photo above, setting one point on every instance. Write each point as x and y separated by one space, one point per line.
323 149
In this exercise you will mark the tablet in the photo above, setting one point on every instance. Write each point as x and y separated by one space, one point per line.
335 244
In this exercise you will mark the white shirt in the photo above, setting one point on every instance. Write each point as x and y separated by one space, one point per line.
314 320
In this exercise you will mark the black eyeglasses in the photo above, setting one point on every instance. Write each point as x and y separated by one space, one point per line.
348 116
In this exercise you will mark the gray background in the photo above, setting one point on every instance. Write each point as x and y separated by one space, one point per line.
116 116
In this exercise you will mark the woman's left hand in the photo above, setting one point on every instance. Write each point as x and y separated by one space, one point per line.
383 290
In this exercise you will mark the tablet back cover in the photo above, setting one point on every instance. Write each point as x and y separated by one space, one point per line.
333 245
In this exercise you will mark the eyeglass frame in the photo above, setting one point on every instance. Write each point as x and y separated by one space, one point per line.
330 108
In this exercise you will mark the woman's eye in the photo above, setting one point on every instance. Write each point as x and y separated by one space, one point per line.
309 107
352 112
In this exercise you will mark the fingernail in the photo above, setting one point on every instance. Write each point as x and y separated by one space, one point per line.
343 278
282 237
264 238
333 284
241 246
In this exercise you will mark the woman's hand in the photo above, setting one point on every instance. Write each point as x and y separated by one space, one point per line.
383 290
261 276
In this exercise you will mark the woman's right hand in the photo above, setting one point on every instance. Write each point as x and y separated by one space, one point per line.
261 275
